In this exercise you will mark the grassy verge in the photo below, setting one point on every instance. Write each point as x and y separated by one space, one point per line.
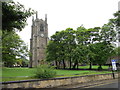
14 74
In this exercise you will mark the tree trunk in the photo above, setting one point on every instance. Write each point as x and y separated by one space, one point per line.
64 64
100 67
56 64
90 66
77 66
76 62
59 64
70 64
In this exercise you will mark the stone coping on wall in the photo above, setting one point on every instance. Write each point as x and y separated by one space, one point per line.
58 78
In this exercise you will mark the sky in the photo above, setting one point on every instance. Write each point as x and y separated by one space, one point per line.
64 14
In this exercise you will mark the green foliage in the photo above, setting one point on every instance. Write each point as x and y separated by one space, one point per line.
93 45
116 23
12 48
117 51
45 71
14 16
61 46
22 62
117 18
103 51
81 46
108 33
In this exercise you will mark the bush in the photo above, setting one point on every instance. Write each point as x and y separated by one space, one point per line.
45 71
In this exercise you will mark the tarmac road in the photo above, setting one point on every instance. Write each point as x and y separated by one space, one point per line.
104 86
113 84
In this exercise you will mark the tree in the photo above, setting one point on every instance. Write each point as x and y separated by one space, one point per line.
93 37
117 51
81 40
117 17
116 24
102 52
12 48
85 45
91 55
69 45
108 33
61 47
79 55
22 62
86 37
51 53
53 47
81 35
14 16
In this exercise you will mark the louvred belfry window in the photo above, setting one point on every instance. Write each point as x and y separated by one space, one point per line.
41 27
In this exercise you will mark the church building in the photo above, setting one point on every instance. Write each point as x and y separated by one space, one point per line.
38 41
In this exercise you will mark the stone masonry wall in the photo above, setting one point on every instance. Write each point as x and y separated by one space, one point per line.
54 82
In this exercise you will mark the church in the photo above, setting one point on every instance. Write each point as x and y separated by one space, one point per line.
38 40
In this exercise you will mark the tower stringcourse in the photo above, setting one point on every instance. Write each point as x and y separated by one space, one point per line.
38 41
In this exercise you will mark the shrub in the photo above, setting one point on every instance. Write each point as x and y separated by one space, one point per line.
45 71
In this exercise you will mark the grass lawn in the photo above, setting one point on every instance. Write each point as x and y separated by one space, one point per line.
93 67
66 73
13 74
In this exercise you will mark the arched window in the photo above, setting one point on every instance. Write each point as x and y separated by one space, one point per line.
41 27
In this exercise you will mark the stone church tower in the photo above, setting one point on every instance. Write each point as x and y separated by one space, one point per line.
38 41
